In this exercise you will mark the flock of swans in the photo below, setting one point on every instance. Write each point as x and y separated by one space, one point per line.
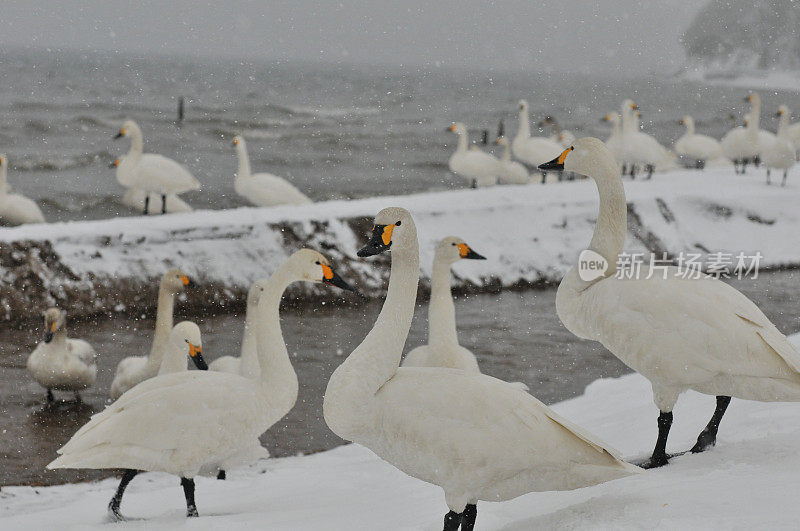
633 150
433 415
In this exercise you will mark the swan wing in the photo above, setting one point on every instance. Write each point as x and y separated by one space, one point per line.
82 350
265 189
159 173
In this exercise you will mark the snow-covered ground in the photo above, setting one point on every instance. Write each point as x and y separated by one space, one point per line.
530 234
758 80
748 481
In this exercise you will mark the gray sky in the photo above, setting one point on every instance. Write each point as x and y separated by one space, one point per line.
565 35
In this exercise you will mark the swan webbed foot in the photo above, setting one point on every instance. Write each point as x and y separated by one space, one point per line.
50 397
221 475
708 437
188 492
468 517
655 461
163 204
659 457
452 521
768 176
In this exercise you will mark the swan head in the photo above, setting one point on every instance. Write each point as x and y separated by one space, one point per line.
523 105
628 106
458 128
185 336
176 281
611 118
783 110
501 141
393 229
753 98
54 319
127 128
583 157
453 249
237 141
310 266
3 161
254 294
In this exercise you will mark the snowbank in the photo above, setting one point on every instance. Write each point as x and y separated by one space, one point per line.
758 80
748 481
531 235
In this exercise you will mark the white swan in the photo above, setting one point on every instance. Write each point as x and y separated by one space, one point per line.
151 173
640 150
135 199
678 332
532 150
59 362
135 369
263 189
614 140
794 135
740 145
247 363
16 208
200 420
780 153
473 435
479 168
511 172
697 148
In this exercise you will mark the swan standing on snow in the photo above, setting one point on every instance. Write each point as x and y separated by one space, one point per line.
59 362
641 150
741 144
532 150
135 369
16 208
697 148
479 168
511 172
443 349
135 199
151 173
473 435
263 189
182 334
680 333
780 153
201 420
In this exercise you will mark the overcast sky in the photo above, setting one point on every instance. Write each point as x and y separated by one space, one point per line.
564 35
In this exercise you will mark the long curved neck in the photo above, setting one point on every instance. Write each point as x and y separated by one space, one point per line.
783 125
137 143
249 366
462 142
506 157
3 178
60 339
627 121
244 161
616 128
690 127
164 316
174 360
441 310
612 220
524 124
352 387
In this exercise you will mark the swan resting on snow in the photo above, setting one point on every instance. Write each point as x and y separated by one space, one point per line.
263 189
135 369
479 168
441 425
678 332
16 208
699 149
60 362
200 420
151 173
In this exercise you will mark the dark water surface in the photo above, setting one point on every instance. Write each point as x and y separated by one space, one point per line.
516 335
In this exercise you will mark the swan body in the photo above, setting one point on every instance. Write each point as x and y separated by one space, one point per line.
741 144
135 199
441 425
641 149
263 189
678 332
532 150
151 173
59 362
479 168
697 147
247 362
15 208
615 140
780 152
135 369
200 420
511 172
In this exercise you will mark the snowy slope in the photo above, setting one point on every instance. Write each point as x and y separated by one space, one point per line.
530 234
748 481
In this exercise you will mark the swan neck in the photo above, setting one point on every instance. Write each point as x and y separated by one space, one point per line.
273 359
249 365
441 310
137 143
244 161
524 124
164 321
174 360
462 142
506 157
3 179
783 125
690 127
627 121
612 220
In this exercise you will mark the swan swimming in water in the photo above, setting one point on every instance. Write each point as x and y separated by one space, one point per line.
135 369
263 189
16 208
60 362
441 425
680 333
151 173
200 420
479 168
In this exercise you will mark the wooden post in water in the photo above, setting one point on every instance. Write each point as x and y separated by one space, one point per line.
180 110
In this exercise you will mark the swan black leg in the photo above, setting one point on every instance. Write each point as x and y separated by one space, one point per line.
452 521
708 437
147 204
544 177
633 172
650 169
221 475
50 397
659 457
468 517
624 169
113 505
474 184
785 173
768 176
188 491
163 203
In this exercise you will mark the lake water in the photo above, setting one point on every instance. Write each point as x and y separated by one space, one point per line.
516 335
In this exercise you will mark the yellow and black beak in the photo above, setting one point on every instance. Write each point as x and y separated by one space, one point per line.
451 129
466 252
120 134
188 282
748 97
196 353
558 162
235 142
49 332
779 114
114 164
329 276
380 241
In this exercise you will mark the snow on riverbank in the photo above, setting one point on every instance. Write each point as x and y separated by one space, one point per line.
530 234
748 481
758 80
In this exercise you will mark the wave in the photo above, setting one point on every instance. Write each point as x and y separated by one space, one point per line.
63 163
